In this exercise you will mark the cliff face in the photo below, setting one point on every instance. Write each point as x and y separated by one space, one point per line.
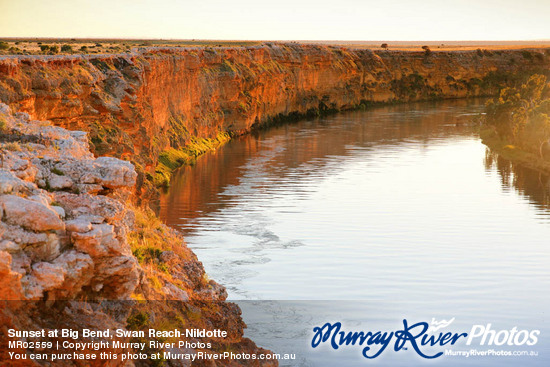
70 240
136 105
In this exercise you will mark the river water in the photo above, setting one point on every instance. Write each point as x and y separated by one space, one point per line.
369 218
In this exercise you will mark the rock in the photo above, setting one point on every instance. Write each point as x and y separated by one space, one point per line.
100 241
60 182
29 214
94 219
24 116
48 276
78 268
9 246
86 254
59 210
10 286
20 235
119 276
89 188
12 184
80 225
44 250
115 173
174 293
168 257
85 204
21 263
40 198
215 292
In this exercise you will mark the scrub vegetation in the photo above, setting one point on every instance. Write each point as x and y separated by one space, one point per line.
517 123
171 158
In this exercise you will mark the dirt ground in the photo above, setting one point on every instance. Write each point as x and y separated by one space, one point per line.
36 46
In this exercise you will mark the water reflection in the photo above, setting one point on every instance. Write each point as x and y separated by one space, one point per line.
315 146
399 208
527 182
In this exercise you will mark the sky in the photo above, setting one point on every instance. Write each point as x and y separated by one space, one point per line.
278 20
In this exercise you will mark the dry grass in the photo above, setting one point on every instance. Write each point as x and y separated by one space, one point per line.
441 46
43 46
31 46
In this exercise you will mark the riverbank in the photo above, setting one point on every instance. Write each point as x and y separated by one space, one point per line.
511 152
147 103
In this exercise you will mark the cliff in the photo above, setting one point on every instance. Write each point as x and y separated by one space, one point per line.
75 253
138 105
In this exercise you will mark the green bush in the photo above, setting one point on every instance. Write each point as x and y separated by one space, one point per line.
66 48
44 48
3 45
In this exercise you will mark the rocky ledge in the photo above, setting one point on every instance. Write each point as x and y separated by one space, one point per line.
74 252
62 235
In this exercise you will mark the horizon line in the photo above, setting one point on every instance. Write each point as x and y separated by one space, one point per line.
268 40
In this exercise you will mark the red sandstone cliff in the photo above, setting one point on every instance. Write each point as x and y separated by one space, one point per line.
138 104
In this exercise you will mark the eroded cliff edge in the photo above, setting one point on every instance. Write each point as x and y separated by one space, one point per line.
75 253
140 105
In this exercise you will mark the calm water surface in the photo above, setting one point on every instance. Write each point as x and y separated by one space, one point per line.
382 214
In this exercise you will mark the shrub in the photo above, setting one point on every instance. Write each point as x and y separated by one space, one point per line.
522 115
3 45
84 48
13 146
427 50
66 48
44 48
527 55
384 46
171 159
137 321
54 49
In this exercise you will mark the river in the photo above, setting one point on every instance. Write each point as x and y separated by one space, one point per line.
371 217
